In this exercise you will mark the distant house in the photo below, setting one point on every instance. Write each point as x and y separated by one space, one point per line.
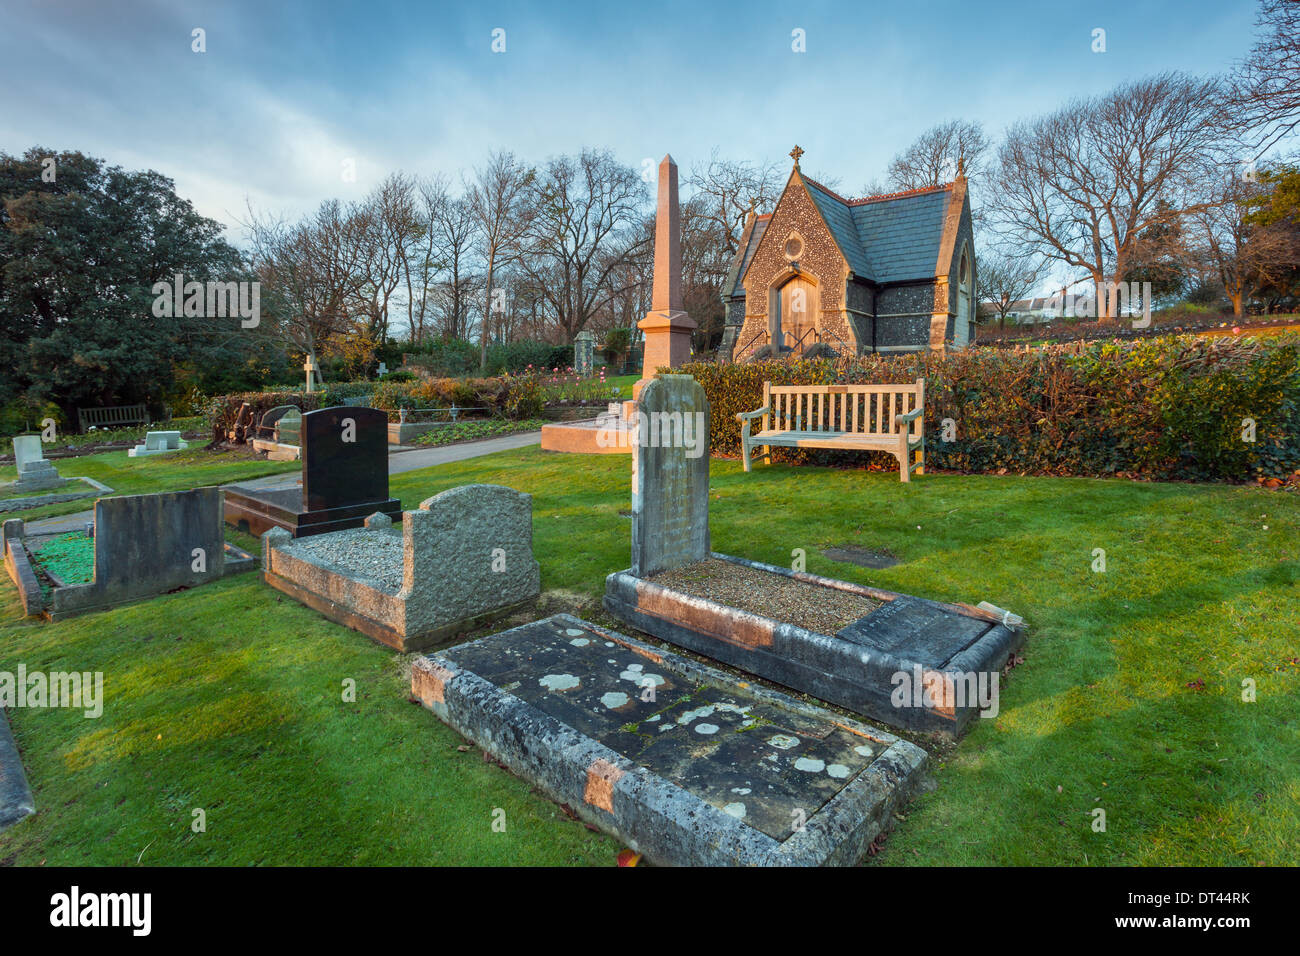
888 273
1027 311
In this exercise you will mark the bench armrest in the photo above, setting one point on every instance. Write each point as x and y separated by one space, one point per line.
741 416
909 417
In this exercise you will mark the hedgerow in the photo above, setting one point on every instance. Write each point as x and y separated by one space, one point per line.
1169 408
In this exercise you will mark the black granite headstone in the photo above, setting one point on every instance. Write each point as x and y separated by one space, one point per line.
344 478
344 457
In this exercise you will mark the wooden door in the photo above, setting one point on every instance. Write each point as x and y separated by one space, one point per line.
799 313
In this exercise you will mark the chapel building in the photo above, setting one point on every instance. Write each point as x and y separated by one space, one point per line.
887 273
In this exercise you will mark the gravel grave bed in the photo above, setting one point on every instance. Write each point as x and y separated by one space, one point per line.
812 606
375 556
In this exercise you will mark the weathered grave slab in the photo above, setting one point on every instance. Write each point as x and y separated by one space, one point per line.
463 558
680 761
906 641
16 803
908 662
344 454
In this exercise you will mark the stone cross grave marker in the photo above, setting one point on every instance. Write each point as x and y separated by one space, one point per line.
670 475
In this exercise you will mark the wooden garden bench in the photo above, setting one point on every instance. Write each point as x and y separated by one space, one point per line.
888 418
112 416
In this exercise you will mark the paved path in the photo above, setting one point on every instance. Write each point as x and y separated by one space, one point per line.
398 462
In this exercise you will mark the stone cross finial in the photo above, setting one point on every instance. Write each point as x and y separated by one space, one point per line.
667 292
961 167
796 153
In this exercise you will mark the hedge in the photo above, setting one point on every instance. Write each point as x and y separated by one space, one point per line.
1169 408
510 398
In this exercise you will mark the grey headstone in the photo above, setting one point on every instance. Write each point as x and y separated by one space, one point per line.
670 481
379 520
467 551
27 448
149 544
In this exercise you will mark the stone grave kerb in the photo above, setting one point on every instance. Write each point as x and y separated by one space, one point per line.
670 475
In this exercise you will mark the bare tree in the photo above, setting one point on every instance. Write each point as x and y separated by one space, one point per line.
1263 101
309 272
582 231
1081 185
388 224
496 198
1004 281
729 189
936 156
1245 256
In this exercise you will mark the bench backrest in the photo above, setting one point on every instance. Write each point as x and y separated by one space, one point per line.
854 409
112 415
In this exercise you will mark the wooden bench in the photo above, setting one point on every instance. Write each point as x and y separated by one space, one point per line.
112 416
887 418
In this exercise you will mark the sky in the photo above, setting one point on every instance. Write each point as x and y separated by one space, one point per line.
288 93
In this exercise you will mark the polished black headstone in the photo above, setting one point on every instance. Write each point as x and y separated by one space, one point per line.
344 478
344 457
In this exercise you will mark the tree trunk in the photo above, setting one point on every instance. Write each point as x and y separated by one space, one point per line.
487 316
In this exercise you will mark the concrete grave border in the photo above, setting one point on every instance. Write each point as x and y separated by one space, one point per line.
16 801
53 498
651 814
100 594
410 618
807 661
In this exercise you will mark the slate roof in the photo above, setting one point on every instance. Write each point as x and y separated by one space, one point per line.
755 236
894 237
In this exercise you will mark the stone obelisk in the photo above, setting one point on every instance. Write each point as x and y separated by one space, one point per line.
667 327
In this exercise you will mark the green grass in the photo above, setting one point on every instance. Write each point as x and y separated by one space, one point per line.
227 697
474 430
176 471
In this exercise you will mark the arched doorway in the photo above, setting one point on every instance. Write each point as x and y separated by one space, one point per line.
796 314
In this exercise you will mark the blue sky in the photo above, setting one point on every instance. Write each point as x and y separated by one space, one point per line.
287 91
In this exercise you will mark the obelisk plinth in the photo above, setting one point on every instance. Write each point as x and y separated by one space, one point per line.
667 327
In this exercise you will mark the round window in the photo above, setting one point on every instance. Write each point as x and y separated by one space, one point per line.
793 247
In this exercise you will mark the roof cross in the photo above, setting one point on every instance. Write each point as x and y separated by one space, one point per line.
796 153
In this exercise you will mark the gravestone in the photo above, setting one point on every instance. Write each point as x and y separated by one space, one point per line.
344 454
474 545
34 472
670 475
156 443
584 349
462 558
147 545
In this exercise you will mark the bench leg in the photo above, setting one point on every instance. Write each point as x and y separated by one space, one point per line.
744 450
904 473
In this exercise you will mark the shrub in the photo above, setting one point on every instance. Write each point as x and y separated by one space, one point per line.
222 409
1170 407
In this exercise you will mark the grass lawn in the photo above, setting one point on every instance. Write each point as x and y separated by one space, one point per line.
177 471
1129 698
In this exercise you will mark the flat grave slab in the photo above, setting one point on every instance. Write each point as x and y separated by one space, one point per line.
845 643
684 763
